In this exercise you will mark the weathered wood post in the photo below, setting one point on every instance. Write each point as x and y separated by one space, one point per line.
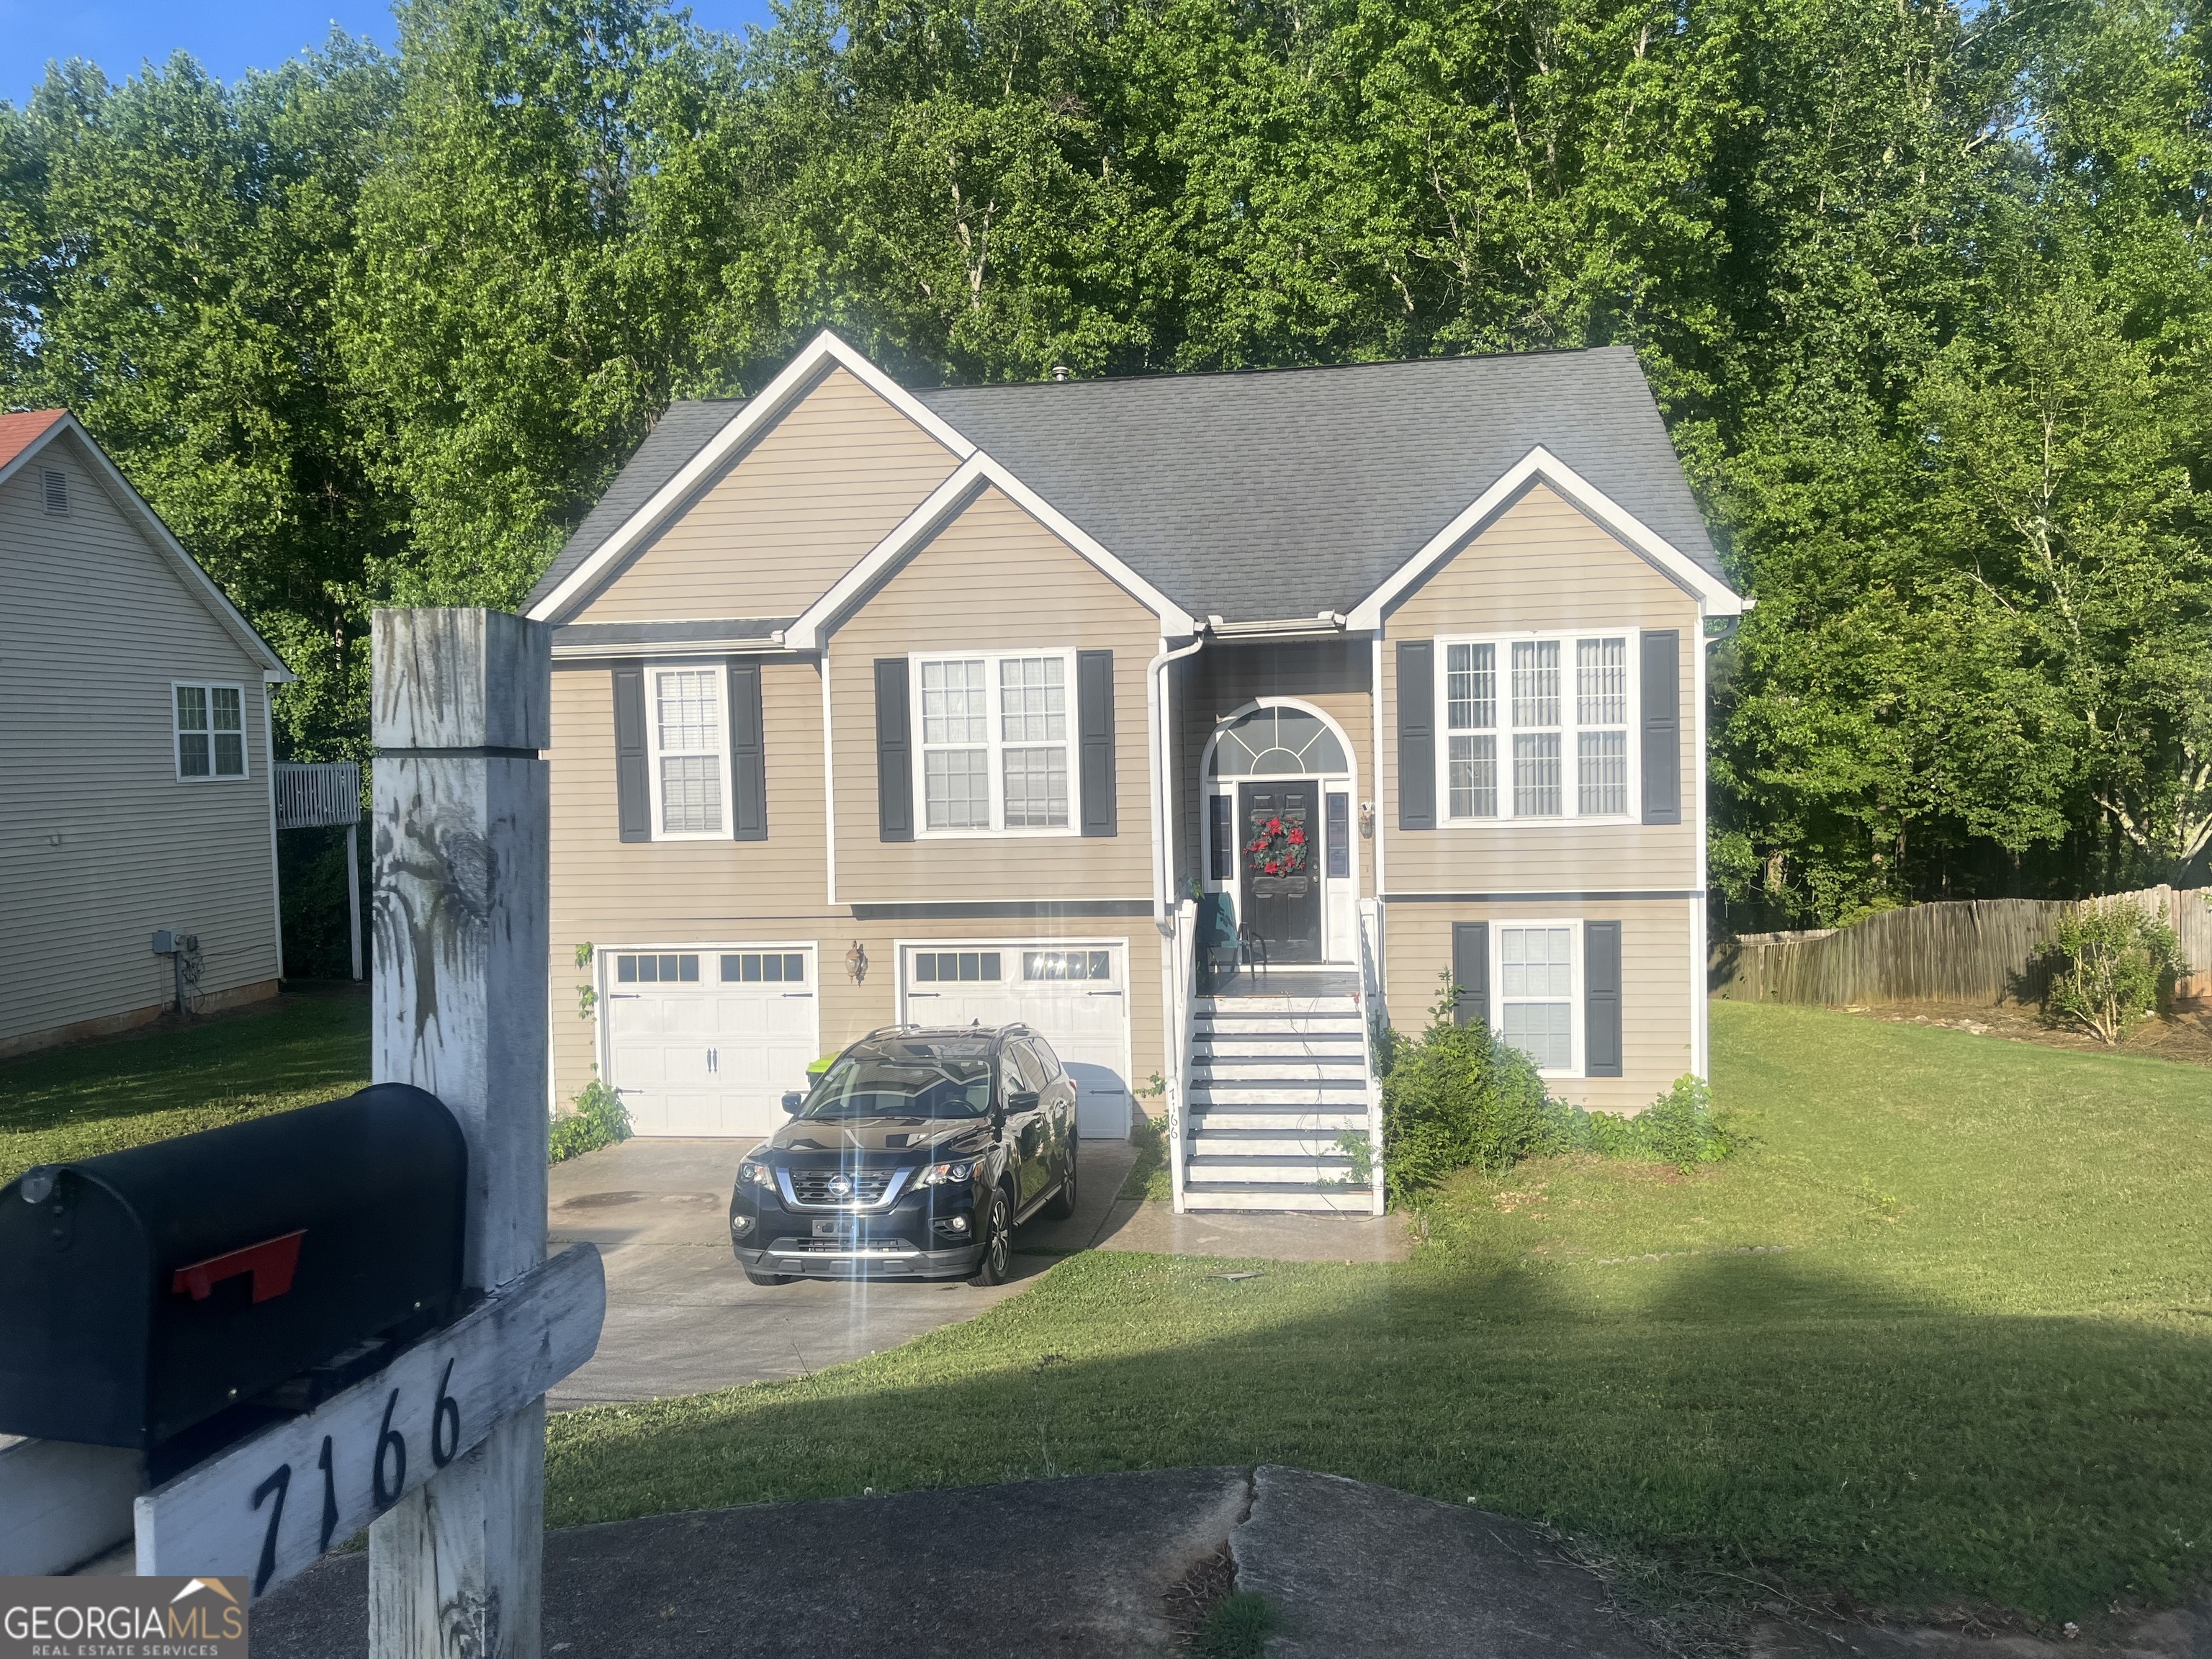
461 709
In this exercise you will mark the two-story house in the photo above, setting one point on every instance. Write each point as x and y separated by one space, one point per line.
135 806
877 705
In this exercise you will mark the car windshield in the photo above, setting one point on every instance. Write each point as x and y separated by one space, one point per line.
918 1078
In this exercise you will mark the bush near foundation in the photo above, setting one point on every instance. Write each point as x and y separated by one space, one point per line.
600 1119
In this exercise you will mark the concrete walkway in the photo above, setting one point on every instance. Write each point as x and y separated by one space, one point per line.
1075 1567
681 1317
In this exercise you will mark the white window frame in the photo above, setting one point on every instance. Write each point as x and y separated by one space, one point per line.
177 734
719 671
1576 1006
994 658
1569 728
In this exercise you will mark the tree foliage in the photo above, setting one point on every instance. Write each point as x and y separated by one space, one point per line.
1922 289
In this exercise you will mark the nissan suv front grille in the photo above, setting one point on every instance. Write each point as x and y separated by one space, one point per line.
842 1189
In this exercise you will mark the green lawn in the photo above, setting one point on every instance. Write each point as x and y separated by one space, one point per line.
1979 1368
99 1096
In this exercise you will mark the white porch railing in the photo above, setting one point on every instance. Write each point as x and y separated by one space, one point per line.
1181 1011
1371 1008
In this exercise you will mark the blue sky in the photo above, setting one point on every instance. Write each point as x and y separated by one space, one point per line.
228 36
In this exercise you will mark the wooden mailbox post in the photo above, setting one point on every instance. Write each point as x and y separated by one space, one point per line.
461 705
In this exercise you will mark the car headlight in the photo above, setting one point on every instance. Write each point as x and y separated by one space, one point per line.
944 1175
750 1174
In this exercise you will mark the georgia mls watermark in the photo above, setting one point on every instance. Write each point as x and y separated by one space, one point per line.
90 1618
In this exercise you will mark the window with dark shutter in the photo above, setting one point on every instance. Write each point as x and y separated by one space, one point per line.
633 778
1417 735
1094 701
1601 998
893 752
1662 726
1471 973
748 755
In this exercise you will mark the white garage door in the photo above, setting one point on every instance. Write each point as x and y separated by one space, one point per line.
1077 995
707 1041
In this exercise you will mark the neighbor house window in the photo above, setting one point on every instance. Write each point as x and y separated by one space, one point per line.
995 741
690 740
211 730
1536 993
1535 728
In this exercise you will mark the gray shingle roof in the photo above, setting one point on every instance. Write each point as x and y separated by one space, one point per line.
1275 494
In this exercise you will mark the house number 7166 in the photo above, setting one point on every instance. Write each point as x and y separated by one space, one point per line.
387 1473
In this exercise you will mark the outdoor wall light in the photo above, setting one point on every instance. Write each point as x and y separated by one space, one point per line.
1367 820
856 963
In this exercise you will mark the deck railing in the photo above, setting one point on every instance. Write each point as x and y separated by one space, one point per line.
323 794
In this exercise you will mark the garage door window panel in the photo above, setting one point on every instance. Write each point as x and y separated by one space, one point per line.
764 968
997 744
690 757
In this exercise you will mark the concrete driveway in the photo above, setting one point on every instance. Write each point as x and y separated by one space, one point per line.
680 1317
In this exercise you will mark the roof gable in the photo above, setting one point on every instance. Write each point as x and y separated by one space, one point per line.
24 437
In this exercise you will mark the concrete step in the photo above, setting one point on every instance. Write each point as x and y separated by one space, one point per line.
1276 1006
1261 1068
1346 1024
1243 1170
1210 1143
1210 1120
1348 1094
1343 1201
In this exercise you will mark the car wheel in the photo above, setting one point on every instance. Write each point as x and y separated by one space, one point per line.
755 1276
998 1242
1063 1201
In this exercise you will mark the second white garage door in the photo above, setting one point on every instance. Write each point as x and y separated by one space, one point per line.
706 1041
1076 994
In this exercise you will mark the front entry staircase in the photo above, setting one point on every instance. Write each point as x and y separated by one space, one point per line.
1274 1081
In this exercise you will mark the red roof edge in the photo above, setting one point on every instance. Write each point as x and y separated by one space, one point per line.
19 432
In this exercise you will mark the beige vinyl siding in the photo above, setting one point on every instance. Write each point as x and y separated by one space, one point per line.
801 508
993 580
1541 566
1659 981
100 842
1332 675
850 1009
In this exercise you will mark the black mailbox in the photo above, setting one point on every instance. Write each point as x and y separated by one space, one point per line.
145 1293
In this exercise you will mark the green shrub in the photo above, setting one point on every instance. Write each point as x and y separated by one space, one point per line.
2109 966
600 1119
1457 1098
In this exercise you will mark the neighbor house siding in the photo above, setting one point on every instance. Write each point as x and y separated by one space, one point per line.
993 580
101 843
1542 567
1659 981
813 493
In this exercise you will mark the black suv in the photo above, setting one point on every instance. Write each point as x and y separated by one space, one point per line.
915 1155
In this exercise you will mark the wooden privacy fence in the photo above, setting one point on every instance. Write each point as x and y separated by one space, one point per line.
1982 952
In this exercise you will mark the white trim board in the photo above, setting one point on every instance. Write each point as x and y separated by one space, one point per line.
763 409
202 586
1715 597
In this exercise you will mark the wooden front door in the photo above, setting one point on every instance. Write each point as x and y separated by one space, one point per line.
1285 910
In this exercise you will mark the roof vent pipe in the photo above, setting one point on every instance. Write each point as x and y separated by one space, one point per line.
1060 371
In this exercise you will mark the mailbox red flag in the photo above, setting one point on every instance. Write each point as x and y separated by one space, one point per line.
272 1262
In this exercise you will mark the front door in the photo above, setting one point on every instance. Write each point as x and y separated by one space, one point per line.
1283 908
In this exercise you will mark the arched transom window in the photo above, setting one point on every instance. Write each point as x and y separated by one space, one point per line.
1276 743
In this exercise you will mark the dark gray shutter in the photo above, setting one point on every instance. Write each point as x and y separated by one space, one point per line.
1662 727
1471 973
748 757
1094 722
893 752
1601 998
1417 734
633 787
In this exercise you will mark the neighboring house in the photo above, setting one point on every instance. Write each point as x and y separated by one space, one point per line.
876 705
134 758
